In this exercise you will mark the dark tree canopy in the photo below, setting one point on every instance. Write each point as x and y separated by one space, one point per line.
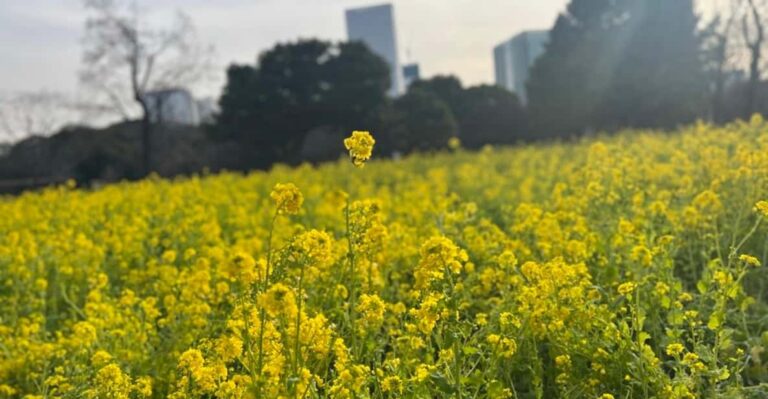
447 87
484 114
418 121
612 63
659 81
566 81
491 115
297 87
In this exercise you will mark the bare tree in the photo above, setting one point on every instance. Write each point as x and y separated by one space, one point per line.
719 47
753 35
125 59
38 113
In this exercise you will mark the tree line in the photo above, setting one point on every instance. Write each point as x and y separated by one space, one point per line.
648 63
608 64
298 87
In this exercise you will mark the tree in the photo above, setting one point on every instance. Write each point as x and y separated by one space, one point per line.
616 63
753 33
360 81
567 81
734 43
124 59
491 115
239 104
484 114
297 87
717 39
418 121
659 80
37 113
447 87
735 97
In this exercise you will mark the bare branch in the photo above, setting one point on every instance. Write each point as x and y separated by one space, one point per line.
34 113
123 58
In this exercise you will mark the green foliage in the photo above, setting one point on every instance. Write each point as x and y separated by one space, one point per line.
418 121
659 80
621 63
299 86
447 87
485 114
491 115
566 81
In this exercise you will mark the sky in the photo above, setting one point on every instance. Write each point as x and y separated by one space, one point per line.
40 40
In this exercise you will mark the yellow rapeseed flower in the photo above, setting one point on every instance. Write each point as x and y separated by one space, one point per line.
627 288
287 197
749 260
377 296
762 207
675 349
392 384
371 308
438 256
360 147
279 299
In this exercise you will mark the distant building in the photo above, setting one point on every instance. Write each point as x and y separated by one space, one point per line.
375 26
172 106
410 74
514 57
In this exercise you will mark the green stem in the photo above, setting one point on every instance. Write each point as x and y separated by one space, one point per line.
352 285
262 312
249 348
748 236
457 366
297 348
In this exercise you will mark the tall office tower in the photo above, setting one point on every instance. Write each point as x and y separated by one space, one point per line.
514 57
410 74
375 26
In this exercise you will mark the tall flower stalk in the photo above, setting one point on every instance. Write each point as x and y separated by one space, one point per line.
360 147
288 200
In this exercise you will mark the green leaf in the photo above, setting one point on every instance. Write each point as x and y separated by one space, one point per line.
702 286
643 336
442 383
724 374
469 350
715 321
666 302
675 317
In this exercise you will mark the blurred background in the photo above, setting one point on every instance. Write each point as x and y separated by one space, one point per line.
106 90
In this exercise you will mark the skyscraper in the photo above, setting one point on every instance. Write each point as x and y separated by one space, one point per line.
375 26
514 57
410 74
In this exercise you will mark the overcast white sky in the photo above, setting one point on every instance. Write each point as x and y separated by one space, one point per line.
40 39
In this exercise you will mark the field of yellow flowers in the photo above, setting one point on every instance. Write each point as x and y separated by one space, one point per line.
612 267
